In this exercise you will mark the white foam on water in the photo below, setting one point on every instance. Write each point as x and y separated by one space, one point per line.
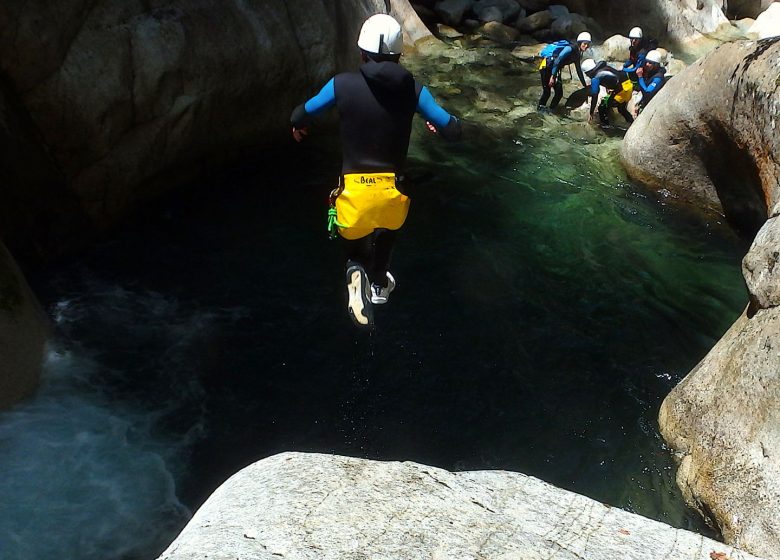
86 472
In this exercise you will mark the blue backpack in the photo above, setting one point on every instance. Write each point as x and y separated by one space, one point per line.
554 48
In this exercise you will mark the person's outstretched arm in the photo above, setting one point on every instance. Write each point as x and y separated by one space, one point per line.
445 124
303 114
580 74
595 83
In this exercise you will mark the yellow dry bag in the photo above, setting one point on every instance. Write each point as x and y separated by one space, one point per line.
624 96
369 201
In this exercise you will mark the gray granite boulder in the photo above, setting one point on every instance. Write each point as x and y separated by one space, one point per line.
534 22
767 24
321 507
709 136
501 11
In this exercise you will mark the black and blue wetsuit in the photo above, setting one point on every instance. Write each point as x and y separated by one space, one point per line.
612 80
376 105
650 85
570 54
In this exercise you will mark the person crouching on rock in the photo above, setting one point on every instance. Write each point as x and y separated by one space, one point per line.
619 89
554 57
637 51
651 78
376 105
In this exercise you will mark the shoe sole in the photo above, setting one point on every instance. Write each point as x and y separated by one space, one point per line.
359 305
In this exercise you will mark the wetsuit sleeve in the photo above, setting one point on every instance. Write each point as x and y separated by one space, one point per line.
651 87
560 58
324 100
579 74
447 125
595 83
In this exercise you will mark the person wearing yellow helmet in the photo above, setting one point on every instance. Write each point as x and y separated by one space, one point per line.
376 105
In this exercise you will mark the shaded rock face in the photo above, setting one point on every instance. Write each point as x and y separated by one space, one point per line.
125 99
679 20
322 507
709 136
23 332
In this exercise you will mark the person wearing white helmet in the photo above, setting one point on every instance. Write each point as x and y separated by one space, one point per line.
554 57
639 47
376 105
619 89
651 78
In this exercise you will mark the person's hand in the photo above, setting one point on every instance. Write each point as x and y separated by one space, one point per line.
552 81
300 133
639 72
431 127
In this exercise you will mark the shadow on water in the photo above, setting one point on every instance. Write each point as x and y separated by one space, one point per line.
544 308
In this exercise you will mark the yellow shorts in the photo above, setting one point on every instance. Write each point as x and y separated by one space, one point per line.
369 201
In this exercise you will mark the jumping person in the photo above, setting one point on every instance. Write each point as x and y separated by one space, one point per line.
375 105
554 57
618 86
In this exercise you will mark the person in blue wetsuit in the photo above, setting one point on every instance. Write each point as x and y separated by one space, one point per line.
640 46
619 89
554 58
652 77
376 106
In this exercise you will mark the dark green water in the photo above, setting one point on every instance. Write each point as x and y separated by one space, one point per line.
545 306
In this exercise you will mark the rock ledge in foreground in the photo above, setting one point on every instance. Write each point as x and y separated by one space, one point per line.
309 506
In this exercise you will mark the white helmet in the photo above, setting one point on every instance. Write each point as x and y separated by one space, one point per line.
584 37
587 65
635 33
381 34
653 56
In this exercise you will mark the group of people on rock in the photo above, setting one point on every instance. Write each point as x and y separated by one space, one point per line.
641 71
376 105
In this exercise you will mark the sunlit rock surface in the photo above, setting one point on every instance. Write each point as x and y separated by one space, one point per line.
710 136
297 505
132 98
23 331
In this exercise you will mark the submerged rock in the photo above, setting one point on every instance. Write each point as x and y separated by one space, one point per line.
308 506
23 333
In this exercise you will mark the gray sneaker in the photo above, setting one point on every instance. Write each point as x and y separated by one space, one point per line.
379 294
359 302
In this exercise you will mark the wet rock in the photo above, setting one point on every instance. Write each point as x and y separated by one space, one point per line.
528 53
534 5
451 11
23 334
558 10
761 267
767 24
310 506
498 32
534 22
501 11
568 26
447 31
544 35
